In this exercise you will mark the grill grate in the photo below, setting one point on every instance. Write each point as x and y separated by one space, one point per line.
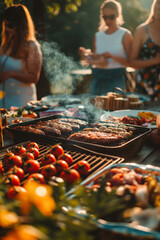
96 160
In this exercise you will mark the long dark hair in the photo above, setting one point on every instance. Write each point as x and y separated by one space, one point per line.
19 16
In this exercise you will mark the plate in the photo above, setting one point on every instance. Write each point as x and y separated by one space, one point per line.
64 99
122 113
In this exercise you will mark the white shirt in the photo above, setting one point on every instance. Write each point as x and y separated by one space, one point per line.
16 93
111 43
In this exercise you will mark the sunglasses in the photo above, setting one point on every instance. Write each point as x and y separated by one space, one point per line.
9 25
110 17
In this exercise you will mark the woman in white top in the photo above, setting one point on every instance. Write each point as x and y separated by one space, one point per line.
20 58
111 48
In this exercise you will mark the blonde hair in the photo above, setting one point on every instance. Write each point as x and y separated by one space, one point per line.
151 15
114 5
19 16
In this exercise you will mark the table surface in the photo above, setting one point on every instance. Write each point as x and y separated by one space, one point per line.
88 71
148 155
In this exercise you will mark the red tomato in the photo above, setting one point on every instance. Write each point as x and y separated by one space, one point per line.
31 166
61 165
82 167
1 168
71 176
37 177
17 121
48 159
7 156
57 150
18 150
48 171
17 171
27 156
14 192
35 151
33 144
14 160
31 114
66 157
12 179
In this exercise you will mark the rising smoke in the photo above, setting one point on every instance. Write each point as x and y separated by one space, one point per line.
58 68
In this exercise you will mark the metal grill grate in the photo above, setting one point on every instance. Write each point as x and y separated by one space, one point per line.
97 161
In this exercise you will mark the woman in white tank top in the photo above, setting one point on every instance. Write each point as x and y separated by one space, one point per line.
111 48
20 58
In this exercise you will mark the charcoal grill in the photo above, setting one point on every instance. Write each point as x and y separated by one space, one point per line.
96 160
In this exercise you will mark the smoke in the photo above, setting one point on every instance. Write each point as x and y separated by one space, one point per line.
58 68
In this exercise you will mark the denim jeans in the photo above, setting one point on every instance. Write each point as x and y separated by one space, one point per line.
104 80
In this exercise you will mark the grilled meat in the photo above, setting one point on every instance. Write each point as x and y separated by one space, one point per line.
96 137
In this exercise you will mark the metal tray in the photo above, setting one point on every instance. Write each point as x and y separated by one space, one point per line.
122 228
127 149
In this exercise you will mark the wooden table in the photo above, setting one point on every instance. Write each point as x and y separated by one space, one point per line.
149 154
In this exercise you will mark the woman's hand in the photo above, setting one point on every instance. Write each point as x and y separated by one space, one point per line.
107 55
97 59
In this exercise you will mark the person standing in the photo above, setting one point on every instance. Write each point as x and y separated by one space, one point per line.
145 54
20 57
111 46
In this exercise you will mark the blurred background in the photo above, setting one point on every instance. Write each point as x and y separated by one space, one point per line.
62 26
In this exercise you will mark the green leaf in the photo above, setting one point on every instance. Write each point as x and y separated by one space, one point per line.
70 7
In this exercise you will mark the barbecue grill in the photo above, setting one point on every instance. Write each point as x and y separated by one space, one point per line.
126 149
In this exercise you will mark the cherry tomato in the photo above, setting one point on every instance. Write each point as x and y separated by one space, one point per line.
18 150
13 192
61 165
32 115
82 167
17 171
57 150
37 177
7 155
48 159
35 151
17 121
12 179
31 166
71 176
48 171
66 157
14 160
27 156
1 168
33 144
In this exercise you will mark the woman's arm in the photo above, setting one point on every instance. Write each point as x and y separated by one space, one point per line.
138 40
32 66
